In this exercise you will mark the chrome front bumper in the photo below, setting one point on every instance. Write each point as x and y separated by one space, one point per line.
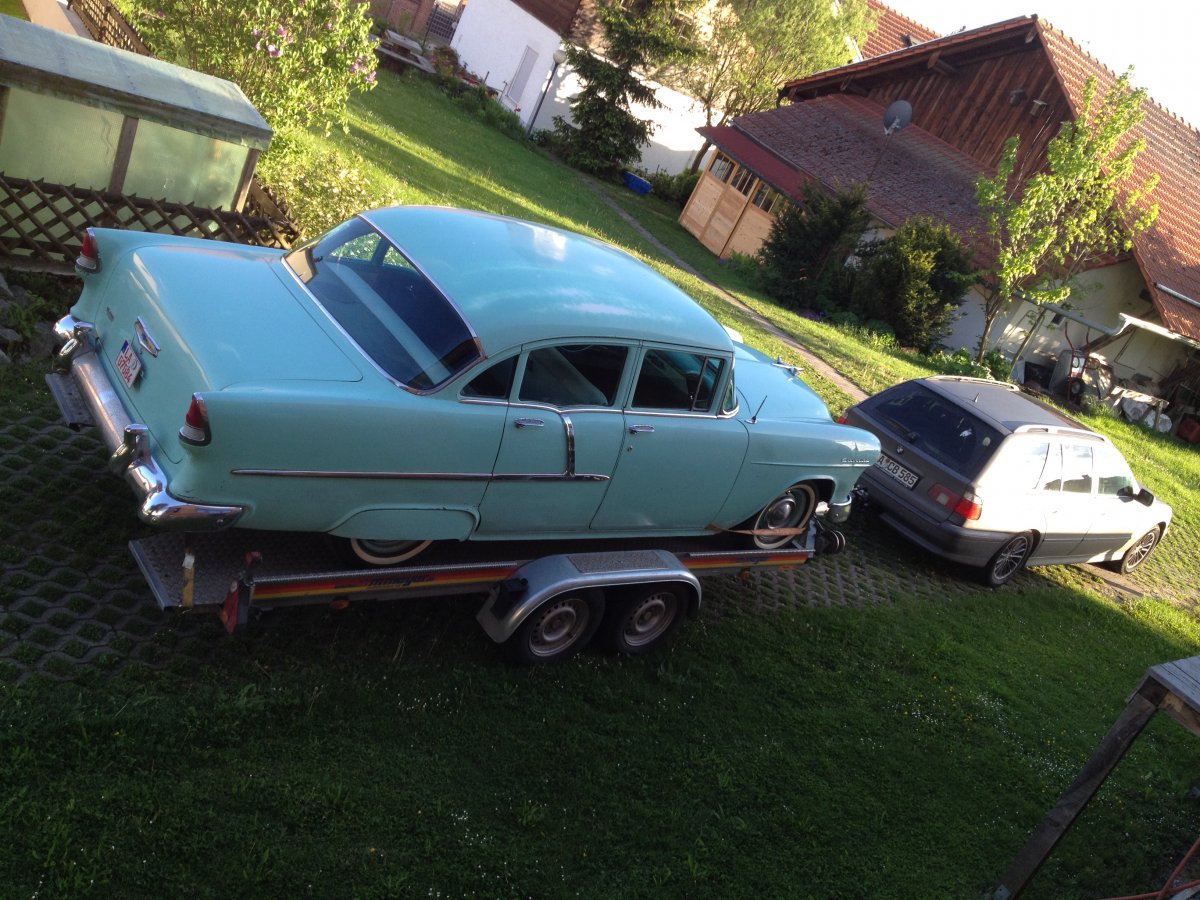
128 441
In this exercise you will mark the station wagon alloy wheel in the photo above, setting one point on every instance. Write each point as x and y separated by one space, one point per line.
788 512
1009 559
1136 555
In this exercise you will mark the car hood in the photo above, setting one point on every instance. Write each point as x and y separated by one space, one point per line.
773 389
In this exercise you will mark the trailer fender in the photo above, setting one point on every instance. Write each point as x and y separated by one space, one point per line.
513 600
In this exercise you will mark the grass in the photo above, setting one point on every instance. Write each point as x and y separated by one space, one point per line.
904 749
14 8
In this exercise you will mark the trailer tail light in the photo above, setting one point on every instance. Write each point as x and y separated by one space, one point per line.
966 505
195 430
88 261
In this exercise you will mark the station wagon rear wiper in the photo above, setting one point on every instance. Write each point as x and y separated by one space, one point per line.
909 435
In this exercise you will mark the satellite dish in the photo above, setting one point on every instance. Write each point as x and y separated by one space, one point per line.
896 116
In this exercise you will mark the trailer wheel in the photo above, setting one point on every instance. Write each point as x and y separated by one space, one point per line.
558 629
643 618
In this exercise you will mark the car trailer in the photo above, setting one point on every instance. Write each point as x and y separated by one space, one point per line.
543 608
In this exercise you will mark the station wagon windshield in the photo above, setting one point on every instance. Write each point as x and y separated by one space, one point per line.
386 306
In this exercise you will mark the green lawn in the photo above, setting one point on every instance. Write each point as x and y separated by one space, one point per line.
14 8
904 749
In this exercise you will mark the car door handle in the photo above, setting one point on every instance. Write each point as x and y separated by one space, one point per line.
529 423
641 429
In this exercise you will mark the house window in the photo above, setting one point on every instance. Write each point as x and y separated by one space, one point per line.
766 199
743 180
722 167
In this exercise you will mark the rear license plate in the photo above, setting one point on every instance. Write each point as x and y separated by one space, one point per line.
128 364
897 471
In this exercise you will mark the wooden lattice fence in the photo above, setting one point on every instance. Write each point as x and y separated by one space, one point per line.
108 26
42 224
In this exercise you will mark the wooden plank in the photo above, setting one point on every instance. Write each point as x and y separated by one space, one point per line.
1141 707
1181 677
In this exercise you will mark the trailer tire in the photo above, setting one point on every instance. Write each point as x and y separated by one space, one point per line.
643 618
557 629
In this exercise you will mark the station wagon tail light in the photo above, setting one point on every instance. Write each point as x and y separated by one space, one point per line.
966 505
195 429
88 261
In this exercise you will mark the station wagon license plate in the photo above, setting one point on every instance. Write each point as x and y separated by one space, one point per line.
897 471
128 364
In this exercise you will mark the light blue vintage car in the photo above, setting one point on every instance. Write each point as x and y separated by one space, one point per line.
422 374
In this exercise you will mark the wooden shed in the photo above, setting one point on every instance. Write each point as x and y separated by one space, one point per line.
76 112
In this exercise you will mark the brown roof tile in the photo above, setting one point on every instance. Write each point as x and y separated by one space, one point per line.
893 31
839 140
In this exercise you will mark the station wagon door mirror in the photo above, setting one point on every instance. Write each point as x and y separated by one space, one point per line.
1142 496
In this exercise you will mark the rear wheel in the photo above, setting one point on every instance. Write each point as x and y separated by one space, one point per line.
643 618
1136 555
789 512
1009 559
558 629
386 553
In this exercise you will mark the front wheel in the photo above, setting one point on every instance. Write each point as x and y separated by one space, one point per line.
558 629
643 619
788 513
1136 555
1009 559
386 553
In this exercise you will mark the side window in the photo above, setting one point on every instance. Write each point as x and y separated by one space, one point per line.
573 375
1019 465
677 380
1113 472
1052 474
494 382
1077 469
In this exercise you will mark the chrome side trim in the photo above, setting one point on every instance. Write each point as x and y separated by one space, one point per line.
129 442
419 476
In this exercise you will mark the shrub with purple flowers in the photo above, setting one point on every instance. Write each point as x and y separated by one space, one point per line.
297 60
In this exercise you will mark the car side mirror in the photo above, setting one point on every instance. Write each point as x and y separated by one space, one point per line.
1145 498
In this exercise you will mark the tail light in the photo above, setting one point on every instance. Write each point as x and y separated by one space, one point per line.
966 505
88 261
195 430
841 420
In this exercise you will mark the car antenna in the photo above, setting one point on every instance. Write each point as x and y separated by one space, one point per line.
754 418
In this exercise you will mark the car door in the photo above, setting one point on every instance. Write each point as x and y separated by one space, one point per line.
1069 501
1117 514
562 436
679 457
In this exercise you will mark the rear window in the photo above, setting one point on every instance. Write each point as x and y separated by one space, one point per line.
388 308
953 436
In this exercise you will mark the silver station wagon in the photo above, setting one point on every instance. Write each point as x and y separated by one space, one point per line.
422 374
981 473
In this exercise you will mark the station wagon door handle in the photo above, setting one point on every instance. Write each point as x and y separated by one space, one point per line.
529 423
641 429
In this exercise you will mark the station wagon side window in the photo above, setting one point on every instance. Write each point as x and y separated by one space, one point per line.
677 380
1113 472
1052 473
573 375
1020 465
1077 469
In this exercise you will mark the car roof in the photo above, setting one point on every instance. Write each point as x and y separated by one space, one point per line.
518 282
1004 404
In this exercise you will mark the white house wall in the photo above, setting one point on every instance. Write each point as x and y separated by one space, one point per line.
1113 290
491 39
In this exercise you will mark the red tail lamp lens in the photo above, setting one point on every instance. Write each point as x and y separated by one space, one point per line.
195 429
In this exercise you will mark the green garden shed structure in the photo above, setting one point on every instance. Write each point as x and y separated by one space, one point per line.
77 112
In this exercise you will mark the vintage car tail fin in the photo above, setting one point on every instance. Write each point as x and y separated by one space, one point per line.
195 429
88 261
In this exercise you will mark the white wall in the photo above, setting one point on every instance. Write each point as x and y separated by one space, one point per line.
492 37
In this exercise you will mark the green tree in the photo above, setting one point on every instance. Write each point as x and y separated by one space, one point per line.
297 61
913 281
638 36
1083 204
753 46
804 257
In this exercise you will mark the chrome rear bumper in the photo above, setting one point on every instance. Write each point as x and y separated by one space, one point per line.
128 441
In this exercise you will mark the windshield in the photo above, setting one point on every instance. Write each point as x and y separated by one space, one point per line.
387 307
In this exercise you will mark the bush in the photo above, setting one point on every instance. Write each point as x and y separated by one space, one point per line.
321 188
672 188
804 258
914 281
962 362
